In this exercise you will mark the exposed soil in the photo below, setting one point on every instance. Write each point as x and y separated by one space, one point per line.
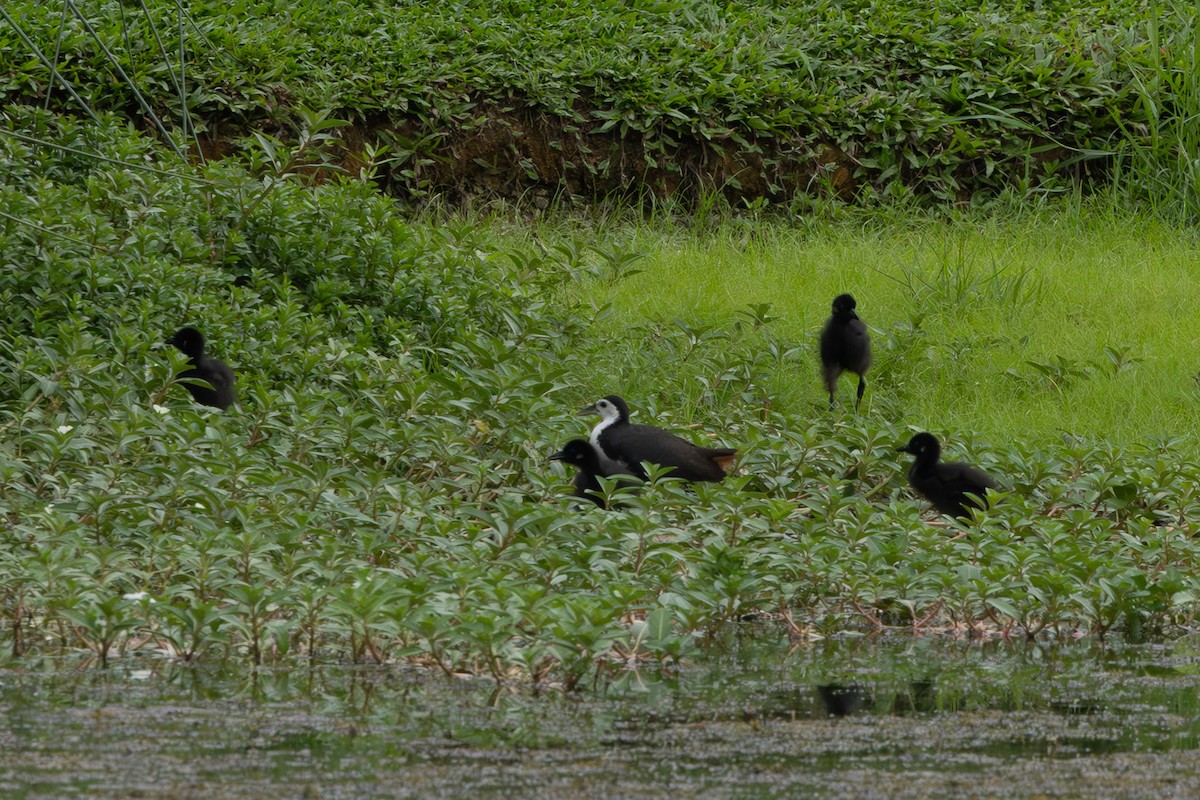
524 154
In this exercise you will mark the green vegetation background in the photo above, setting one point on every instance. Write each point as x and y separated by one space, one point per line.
381 492
662 98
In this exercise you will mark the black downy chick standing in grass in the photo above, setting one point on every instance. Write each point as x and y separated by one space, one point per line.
580 454
623 446
948 485
845 347
214 371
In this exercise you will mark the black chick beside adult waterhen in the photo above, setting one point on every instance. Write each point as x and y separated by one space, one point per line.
580 454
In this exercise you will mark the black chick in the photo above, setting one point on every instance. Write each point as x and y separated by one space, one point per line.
580 454
624 446
845 347
948 485
206 368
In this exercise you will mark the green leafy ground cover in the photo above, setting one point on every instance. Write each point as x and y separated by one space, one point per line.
760 100
381 493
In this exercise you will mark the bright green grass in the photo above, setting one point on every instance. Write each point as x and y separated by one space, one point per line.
957 310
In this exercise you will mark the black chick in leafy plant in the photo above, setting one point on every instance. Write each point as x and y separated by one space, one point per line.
580 454
213 371
845 347
948 485
624 446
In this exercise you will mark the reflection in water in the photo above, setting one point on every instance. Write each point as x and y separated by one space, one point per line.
840 701
921 698
750 702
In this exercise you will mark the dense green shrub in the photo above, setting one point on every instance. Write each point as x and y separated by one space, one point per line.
676 98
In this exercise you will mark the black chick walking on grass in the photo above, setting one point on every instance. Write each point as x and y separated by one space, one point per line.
213 371
845 347
952 487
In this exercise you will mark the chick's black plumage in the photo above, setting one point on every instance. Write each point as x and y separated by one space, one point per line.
214 371
626 445
580 454
845 347
948 485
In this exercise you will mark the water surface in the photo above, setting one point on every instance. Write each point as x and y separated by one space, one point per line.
755 717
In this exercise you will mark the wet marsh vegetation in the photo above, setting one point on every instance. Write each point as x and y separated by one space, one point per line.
365 575
379 503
